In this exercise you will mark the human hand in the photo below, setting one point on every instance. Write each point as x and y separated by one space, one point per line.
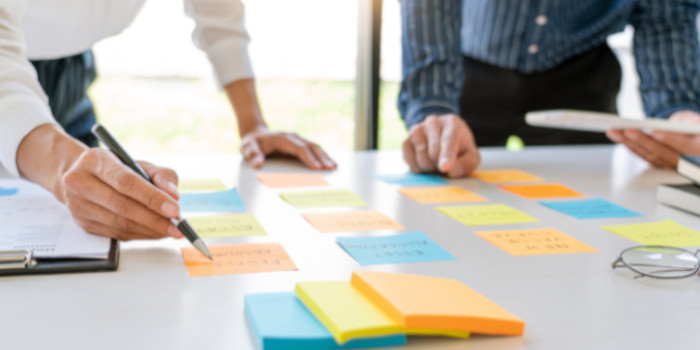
660 148
109 199
443 144
256 145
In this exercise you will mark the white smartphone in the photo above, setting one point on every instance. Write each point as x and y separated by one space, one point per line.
601 122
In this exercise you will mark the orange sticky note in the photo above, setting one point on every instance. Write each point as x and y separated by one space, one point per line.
440 194
541 191
537 241
504 175
433 303
238 258
359 220
279 180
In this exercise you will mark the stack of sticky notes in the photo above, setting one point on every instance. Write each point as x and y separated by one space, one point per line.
373 309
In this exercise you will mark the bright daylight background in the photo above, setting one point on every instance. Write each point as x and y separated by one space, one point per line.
156 92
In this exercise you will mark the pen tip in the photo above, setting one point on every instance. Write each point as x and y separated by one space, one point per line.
202 248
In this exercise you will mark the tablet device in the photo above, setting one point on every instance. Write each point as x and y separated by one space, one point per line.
601 122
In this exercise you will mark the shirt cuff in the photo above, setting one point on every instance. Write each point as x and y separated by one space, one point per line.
417 111
19 115
230 61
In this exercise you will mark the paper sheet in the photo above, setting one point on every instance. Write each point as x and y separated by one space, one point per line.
323 198
216 202
233 225
442 195
504 175
541 191
359 220
667 233
281 180
538 241
591 209
238 258
394 249
489 214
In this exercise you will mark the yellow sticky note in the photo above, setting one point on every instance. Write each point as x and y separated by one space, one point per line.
488 214
504 175
234 225
537 241
667 232
440 194
345 311
360 220
541 191
277 180
197 185
323 198
238 258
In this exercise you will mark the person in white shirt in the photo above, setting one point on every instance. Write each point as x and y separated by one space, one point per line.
46 67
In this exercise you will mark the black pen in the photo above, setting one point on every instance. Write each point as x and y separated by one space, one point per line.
103 135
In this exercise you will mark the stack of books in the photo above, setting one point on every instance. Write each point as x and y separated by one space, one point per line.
373 309
683 196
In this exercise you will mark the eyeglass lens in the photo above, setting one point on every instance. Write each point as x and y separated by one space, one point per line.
663 262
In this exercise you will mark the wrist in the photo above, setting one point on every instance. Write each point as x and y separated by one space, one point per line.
46 154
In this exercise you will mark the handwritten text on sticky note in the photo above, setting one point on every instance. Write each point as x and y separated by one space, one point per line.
359 220
233 225
238 258
395 249
667 232
535 241
489 214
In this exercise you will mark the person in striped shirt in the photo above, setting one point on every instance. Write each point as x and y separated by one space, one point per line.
473 68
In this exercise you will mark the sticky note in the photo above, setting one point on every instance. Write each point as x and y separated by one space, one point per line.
667 232
281 322
541 191
488 214
504 175
233 225
345 311
394 249
197 185
323 198
8 191
537 241
591 209
279 180
433 303
359 220
431 195
220 201
410 179
238 258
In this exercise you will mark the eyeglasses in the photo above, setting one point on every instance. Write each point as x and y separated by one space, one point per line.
659 261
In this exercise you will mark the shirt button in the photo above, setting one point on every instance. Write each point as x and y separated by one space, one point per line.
541 20
533 49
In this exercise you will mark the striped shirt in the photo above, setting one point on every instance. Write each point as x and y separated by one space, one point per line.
531 36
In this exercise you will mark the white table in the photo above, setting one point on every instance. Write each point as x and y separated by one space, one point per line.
568 301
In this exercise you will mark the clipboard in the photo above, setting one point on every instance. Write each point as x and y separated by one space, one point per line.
23 262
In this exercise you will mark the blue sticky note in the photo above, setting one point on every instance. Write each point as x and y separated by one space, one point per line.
396 249
591 209
411 179
281 321
8 191
220 201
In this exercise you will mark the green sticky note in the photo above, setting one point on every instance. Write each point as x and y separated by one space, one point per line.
488 214
219 226
201 185
665 232
323 198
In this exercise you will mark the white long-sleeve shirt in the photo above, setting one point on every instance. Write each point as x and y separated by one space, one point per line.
47 29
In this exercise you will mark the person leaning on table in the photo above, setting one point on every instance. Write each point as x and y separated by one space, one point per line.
472 68
42 98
